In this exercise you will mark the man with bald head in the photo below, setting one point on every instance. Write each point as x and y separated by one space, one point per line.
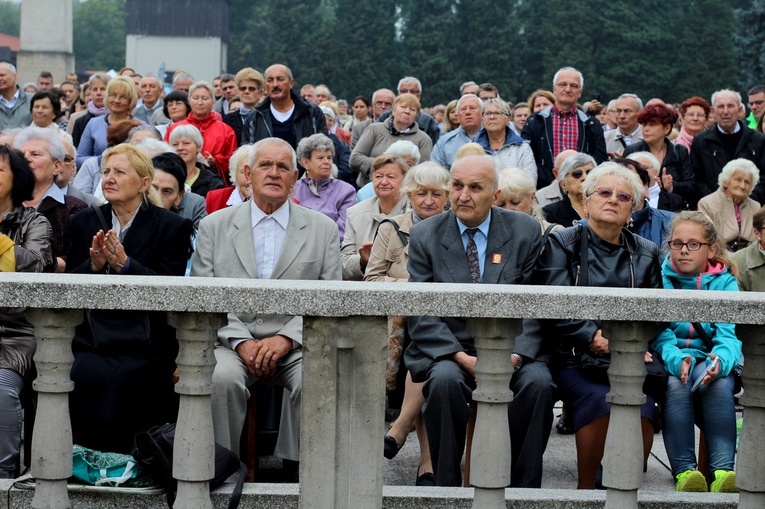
553 192
729 138
475 243
283 114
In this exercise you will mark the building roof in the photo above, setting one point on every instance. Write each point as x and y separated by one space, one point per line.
10 42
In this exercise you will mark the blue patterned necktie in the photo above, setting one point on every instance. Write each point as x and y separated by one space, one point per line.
474 265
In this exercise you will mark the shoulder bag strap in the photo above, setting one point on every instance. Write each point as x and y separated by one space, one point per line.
583 278
401 235
101 218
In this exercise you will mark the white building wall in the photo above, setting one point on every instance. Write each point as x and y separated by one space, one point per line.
202 57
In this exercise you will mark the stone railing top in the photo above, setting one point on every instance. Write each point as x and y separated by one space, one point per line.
336 298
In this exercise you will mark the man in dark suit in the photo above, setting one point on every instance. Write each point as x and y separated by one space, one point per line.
479 244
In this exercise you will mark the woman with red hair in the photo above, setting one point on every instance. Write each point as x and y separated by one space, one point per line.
694 112
676 175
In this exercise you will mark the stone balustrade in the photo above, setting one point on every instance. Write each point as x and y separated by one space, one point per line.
344 350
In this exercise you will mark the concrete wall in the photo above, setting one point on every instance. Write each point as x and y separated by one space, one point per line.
46 39
202 57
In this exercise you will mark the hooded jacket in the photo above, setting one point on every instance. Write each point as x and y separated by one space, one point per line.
514 153
680 340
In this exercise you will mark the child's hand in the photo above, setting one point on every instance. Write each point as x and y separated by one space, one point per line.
712 371
685 368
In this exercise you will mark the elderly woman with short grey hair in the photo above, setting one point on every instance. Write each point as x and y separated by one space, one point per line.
219 139
319 190
600 252
730 207
187 142
501 143
427 188
571 175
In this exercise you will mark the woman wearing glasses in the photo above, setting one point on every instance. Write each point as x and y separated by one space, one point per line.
121 98
570 210
600 252
694 112
730 208
501 143
676 175
251 86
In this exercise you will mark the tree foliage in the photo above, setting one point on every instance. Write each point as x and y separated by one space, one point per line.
750 17
99 34
652 48
10 17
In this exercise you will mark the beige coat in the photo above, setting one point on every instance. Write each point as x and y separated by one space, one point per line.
719 208
389 256
361 224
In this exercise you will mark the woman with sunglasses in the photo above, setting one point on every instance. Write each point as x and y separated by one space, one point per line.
251 86
570 210
596 252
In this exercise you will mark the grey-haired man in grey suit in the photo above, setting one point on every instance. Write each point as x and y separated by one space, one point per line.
268 237
476 243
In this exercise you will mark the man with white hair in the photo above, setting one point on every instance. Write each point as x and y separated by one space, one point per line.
428 125
628 130
14 102
267 237
469 111
563 126
729 138
149 90
44 151
66 175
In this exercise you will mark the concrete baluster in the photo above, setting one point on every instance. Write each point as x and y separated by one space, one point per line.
342 420
491 456
751 449
623 457
52 436
194 447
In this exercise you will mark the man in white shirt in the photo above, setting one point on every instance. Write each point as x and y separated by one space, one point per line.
627 131
268 237
14 103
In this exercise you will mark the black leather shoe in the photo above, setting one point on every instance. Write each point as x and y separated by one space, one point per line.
391 447
426 479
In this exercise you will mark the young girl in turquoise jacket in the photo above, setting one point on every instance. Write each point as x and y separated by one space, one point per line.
697 261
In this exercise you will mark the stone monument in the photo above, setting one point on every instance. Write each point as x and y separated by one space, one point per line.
46 40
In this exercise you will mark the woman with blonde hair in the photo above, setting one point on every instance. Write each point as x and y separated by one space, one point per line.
124 360
121 98
427 188
380 135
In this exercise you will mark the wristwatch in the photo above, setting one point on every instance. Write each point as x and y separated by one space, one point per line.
518 360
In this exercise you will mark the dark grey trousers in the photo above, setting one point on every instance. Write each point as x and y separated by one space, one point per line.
448 392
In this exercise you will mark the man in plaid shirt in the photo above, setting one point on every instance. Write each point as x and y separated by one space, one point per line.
563 127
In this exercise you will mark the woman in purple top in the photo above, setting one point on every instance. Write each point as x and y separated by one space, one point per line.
318 189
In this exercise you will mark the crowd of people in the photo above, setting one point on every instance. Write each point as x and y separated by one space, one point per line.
245 177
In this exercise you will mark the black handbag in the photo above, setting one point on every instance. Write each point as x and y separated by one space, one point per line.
153 450
656 376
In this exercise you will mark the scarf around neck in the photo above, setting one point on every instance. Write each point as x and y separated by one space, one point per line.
93 110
